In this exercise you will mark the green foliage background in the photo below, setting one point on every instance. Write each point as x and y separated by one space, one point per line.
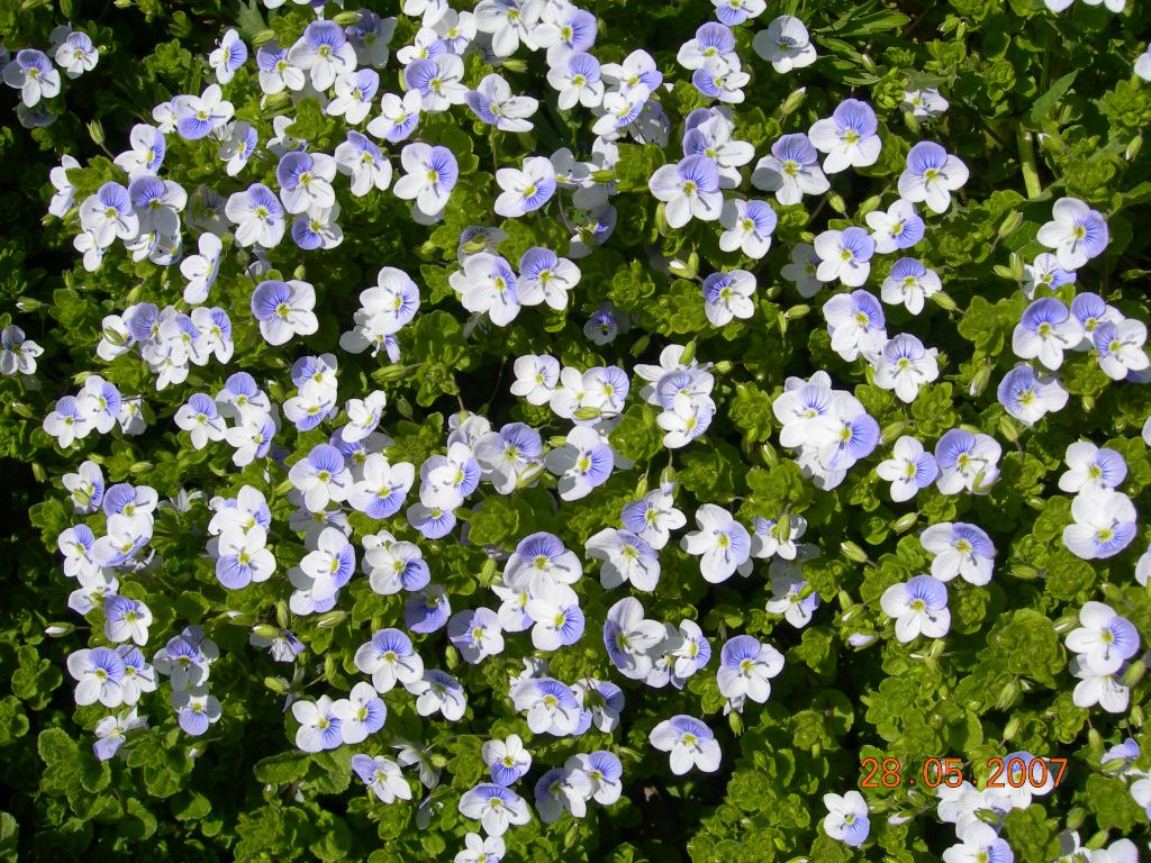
1041 106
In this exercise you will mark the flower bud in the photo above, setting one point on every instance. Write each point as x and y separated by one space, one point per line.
331 619
793 101
347 19
587 413
769 455
944 301
905 522
853 552
96 132
1008 429
1011 728
1007 695
1010 224
893 431
688 353
736 723
277 684
263 38
265 630
1134 673
797 312
603 176
516 65
59 630
1134 147
836 202
979 381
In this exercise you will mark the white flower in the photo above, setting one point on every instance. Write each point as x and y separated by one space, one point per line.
1095 687
727 296
909 469
1103 641
785 44
722 543
905 365
536 378
844 255
17 352
690 742
626 558
319 726
398 116
931 175
201 270
919 606
1120 347
1104 524
1076 233
525 191
924 103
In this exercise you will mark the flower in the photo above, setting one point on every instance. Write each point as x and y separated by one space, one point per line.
909 470
199 116
111 731
959 549
689 189
626 559
99 673
925 103
791 171
690 742
844 255
1045 271
389 658
919 607
846 820
481 850
362 713
398 116
578 81
910 283
747 227
507 760
196 710
746 667
727 296
931 176
967 461
126 619
1029 396
492 101
848 137
32 74
476 633
258 216
228 56
722 544
1076 233
525 190
653 517
1143 64
494 806
785 43
1104 524
1091 467
323 51
582 464
438 691
320 726
1045 331
562 790
77 55
898 228
382 488
382 776
1104 641
1120 347
905 366
545 277
1095 687
17 352
431 175
284 309
856 324
789 600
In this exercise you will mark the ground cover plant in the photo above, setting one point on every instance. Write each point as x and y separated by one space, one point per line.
710 431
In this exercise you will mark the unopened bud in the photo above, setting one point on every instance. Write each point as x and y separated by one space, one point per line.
688 353
265 630
1008 429
513 64
944 301
797 312
1134 673
587 413
905 522
868 206
1010 224
836 202
263 38
604 176
1011 728
96 133
331 619
347 19
792 102
736 722
277 684
852 551
893 431
59 630
1007 695
723 367
1134 147
769 455
979 381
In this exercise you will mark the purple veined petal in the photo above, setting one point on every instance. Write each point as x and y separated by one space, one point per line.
926 156
856 116
701 171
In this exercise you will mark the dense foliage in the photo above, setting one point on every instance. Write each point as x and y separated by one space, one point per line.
670 411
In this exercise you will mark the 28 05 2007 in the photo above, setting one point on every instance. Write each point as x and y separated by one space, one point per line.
1013 771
